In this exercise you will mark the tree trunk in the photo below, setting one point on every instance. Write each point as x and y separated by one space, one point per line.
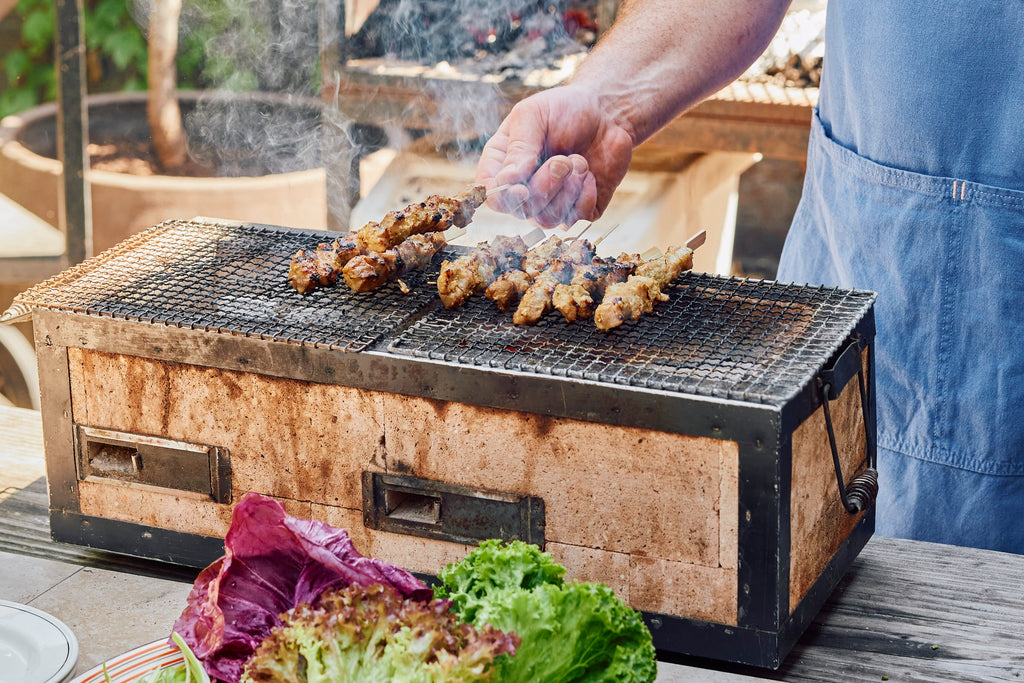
162 109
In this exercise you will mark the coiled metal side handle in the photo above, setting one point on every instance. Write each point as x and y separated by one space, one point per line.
861 492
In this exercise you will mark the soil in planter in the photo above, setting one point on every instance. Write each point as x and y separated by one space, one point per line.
139 158
244 138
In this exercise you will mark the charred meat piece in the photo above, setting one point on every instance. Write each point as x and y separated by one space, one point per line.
304 273
473 272
668 267
322 266
369 271
462 206
509 251
627 301
536 301
506 290
537 258
551 253
577 299
434 214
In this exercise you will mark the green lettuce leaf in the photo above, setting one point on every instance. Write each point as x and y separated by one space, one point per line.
373 634
568 631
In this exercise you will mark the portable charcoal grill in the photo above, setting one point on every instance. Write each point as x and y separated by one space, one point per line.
701 462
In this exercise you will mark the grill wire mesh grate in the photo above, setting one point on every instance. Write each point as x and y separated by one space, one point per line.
227 278
724 337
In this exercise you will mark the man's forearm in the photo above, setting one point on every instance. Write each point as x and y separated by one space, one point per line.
661 57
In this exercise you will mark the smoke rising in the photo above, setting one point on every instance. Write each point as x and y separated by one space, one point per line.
274 47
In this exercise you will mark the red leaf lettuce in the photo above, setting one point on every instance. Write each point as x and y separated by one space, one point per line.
272 562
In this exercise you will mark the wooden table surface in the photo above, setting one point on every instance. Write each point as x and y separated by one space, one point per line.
905 611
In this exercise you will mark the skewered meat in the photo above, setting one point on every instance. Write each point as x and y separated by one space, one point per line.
536 301
627 301
434 214
537 259
369 271
507 289
577 299
322 266
668 267
473 272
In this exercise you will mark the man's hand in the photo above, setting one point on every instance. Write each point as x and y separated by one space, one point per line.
563 155
566 149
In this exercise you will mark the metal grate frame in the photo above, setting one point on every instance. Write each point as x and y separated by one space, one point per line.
729 338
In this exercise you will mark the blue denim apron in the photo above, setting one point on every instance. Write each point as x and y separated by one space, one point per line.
915 189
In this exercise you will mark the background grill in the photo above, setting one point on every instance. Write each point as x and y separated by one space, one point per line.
728 338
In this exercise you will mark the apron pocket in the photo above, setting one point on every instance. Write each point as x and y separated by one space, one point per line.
946 258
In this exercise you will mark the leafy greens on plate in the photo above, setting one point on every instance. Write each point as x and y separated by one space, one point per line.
272 562
569 631
373 635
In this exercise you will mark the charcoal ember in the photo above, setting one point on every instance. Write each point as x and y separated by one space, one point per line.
433 31
797 72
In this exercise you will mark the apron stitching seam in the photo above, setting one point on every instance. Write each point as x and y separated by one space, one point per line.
863 167
943 429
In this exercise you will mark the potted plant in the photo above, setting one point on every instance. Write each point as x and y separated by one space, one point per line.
228 174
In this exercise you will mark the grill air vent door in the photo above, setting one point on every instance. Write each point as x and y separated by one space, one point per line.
431 509
154 461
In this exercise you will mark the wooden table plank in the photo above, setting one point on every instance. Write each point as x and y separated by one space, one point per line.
914 611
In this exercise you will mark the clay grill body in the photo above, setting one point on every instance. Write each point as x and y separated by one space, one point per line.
683 460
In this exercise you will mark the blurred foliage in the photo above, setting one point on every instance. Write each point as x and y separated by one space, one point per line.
115 52
266 45
233 44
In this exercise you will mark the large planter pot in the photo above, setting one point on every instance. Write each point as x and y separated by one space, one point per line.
124 203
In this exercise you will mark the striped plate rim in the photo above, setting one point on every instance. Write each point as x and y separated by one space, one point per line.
134 664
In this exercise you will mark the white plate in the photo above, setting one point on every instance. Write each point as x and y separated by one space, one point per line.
34 646
133 665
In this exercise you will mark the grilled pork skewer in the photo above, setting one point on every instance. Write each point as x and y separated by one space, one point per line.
576 300
507 289
473 272
627 301
536 301
321 267
434 214
369 271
